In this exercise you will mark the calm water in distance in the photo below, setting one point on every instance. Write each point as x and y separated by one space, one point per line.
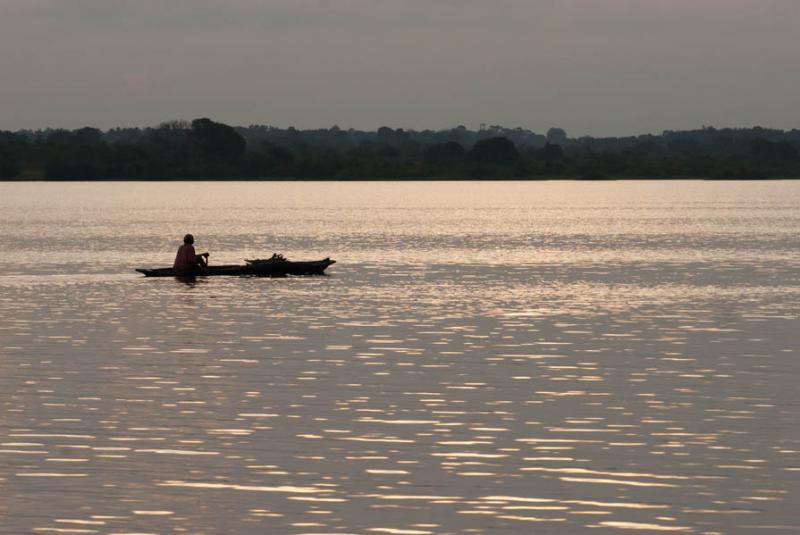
559 357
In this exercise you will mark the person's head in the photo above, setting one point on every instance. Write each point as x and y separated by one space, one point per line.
188 239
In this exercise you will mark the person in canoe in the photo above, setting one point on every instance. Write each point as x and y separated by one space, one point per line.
187 262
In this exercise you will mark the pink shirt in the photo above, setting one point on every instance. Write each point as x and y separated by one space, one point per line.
185 258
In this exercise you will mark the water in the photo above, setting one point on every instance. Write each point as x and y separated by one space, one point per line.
484 358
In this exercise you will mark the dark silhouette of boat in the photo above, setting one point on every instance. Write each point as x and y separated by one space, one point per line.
277 266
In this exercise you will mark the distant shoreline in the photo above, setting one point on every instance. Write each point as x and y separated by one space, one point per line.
206 150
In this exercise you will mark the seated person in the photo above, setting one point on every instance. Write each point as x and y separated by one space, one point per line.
186 261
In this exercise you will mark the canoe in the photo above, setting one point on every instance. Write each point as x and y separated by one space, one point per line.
262 268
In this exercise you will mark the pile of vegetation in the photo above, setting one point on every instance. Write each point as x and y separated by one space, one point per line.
204 149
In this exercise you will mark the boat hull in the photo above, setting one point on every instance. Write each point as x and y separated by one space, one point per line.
259 269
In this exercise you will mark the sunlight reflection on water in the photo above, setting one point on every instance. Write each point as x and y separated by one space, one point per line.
484 358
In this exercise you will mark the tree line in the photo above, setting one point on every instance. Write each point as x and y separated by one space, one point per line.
205 149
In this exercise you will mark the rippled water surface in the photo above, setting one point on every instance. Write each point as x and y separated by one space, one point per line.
483 358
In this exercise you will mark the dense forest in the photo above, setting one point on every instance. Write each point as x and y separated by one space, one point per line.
204 149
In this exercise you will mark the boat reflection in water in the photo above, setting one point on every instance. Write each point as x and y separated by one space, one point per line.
189 280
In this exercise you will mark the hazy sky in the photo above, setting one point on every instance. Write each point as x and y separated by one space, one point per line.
600 67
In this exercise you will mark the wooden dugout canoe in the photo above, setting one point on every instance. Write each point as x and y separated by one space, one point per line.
263 268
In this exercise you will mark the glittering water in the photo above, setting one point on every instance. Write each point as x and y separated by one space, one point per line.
483 358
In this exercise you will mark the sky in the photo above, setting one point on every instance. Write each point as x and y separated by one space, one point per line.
592 67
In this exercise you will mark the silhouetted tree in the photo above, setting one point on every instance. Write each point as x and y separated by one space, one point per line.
494 151
557 136
550 153
216 141
774 152
448 153
12 146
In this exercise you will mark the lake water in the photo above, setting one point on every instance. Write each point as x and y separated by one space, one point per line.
559 357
